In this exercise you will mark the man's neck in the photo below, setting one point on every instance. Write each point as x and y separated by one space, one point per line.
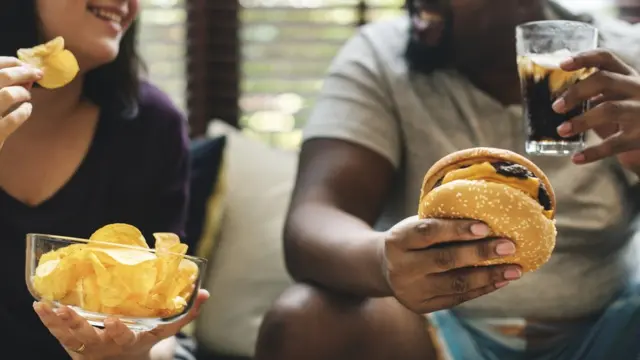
501 83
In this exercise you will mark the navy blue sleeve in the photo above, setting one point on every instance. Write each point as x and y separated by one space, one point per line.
167 162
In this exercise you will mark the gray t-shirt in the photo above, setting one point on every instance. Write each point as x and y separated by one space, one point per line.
370 98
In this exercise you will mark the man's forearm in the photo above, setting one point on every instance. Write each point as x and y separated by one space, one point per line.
327 246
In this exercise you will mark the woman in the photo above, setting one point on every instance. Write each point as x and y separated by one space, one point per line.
106 148
400 95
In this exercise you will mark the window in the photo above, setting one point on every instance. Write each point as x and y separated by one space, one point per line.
286 47
259 64
162 46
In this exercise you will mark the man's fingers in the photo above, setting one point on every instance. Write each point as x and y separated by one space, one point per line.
427 232
462 254
615 144
605 83
608 113
601 59
449 301
464 280
56 326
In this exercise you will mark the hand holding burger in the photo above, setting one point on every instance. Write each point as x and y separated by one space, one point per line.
485 217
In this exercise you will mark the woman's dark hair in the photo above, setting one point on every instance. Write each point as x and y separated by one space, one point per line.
113 86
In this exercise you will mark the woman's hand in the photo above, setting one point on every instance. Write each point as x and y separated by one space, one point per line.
83 341
426 276
16 79
615 92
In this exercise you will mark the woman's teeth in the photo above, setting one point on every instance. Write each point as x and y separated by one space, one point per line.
106 15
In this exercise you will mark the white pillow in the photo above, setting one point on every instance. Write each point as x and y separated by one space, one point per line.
247 272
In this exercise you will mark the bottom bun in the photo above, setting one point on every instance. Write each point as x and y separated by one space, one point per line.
509 213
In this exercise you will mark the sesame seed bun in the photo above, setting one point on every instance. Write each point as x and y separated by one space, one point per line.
508 211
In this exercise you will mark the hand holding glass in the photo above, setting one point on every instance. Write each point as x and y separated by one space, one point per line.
541 47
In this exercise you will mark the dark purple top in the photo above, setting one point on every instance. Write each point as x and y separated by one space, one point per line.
135 172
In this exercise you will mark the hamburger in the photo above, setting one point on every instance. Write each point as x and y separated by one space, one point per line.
504 190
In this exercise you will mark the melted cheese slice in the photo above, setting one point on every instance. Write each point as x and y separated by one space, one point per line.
485 171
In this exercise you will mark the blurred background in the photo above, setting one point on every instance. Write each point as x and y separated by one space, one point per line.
258 64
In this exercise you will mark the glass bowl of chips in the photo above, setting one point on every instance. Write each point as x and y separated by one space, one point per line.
114 273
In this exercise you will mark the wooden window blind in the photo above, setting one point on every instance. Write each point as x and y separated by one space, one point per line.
263 76
162 45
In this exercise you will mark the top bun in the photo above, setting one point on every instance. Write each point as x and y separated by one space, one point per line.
478 155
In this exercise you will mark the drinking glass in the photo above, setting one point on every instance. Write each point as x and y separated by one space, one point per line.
541 47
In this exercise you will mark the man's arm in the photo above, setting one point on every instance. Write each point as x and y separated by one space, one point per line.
329 238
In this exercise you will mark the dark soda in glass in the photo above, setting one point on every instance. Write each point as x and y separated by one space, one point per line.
542 82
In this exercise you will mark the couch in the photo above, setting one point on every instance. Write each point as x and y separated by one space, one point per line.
240 192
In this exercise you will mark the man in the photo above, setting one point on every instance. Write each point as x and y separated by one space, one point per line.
400 95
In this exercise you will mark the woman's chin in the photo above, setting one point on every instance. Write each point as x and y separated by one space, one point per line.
88 63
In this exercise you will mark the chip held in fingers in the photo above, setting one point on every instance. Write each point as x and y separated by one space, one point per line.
117 273
59 66
501 188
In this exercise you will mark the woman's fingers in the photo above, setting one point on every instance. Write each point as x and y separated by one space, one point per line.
14 119
56 326
18 75
9 61
119 332
79 327
164 331
11 96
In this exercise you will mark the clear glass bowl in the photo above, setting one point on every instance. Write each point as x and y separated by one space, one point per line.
41 244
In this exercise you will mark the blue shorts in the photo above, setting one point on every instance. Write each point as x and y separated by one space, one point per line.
615 335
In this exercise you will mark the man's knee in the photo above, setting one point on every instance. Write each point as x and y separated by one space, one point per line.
298 311
303 319
309 323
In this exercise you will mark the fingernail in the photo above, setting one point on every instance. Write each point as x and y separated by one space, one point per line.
564 128
569 62
36 306
480 229
39 73
501 284
512 274
559 105
505 248
578 158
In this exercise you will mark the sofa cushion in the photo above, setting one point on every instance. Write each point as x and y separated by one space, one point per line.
246 273
206 167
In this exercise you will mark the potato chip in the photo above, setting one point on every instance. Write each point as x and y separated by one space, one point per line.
123 234
59 66
165 240
126 281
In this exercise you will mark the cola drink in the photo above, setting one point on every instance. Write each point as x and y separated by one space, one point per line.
542 82
541 47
